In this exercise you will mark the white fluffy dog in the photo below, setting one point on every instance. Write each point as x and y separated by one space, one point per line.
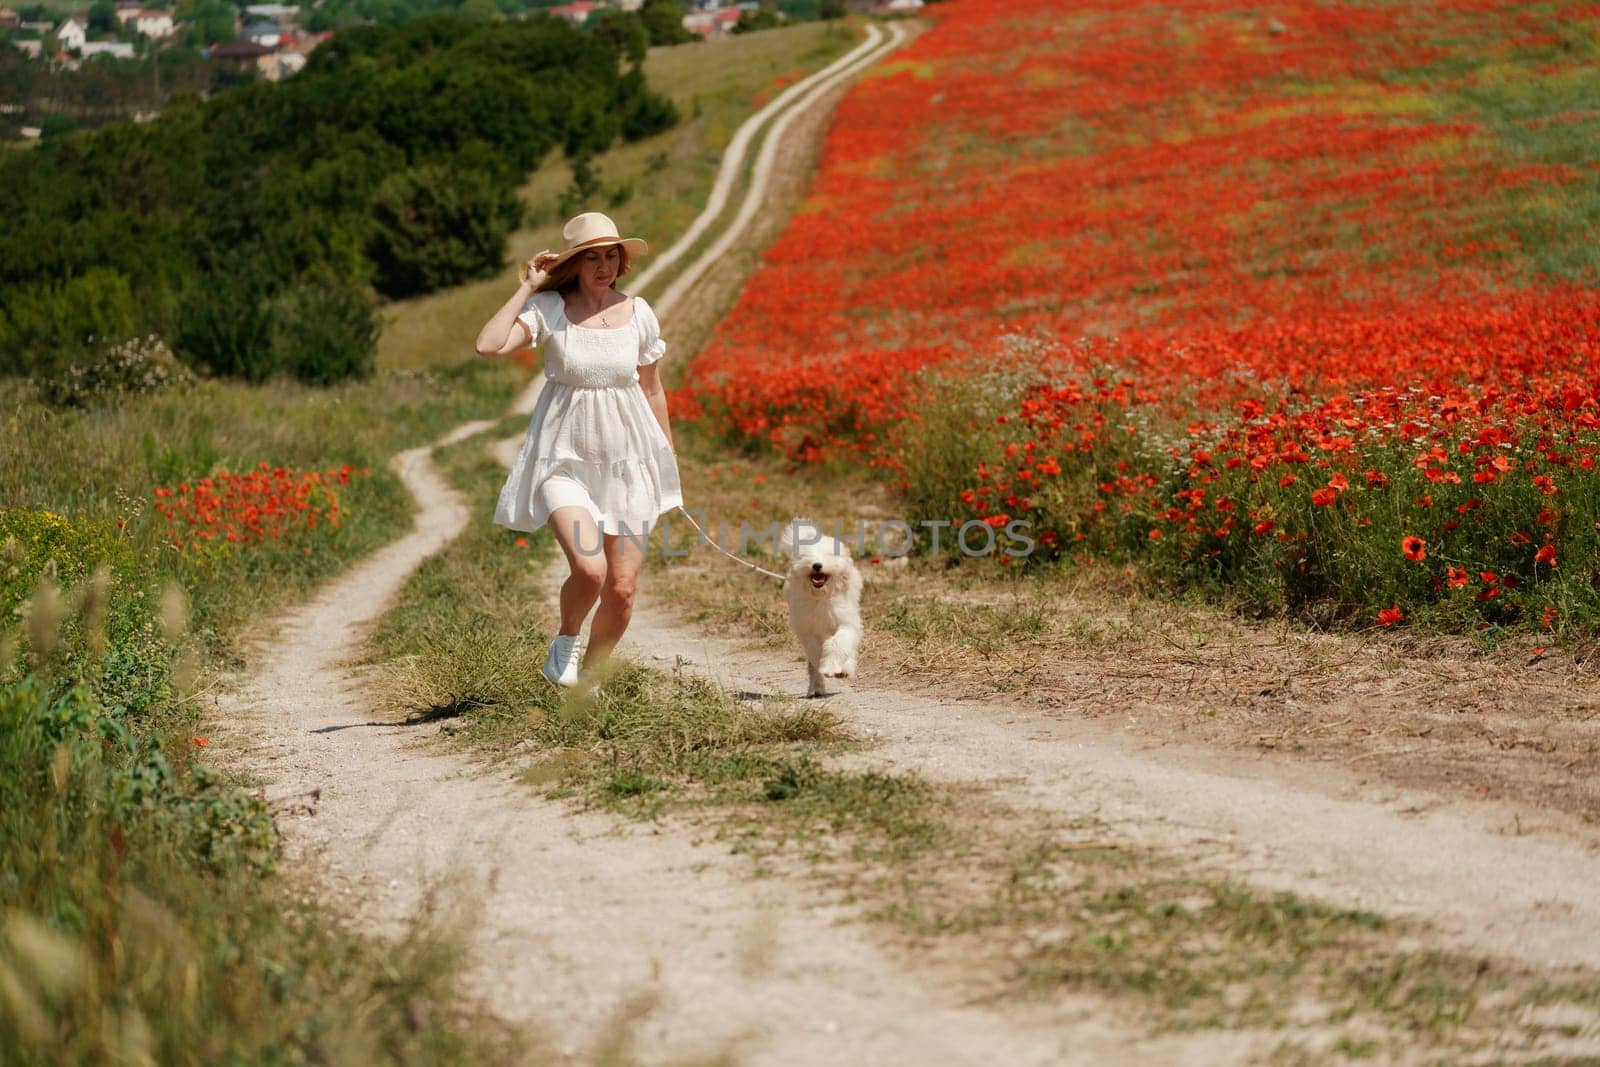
823 588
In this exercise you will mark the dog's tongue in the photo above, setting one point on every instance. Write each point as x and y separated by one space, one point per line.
818 581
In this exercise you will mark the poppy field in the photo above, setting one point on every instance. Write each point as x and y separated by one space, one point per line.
1296 304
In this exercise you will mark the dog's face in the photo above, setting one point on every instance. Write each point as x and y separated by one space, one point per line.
822 570
819 565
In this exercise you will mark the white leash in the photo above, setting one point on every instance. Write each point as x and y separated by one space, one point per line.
705 537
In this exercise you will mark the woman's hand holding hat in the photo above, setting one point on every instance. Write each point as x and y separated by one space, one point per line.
532 271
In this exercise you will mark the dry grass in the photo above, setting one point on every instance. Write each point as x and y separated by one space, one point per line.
1439 714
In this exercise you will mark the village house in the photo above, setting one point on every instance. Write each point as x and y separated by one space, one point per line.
238 53
151 22
73 33
114 49
712 22
9 19
267 34
279 13
577 12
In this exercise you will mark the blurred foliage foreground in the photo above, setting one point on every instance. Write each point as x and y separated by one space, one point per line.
139 918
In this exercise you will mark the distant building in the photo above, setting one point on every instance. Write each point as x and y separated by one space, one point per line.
149 21
238 53
712 22
33 49
577 12
281 65
279 13
73 32
9 19
267 34
114 49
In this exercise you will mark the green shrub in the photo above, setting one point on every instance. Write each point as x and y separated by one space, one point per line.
105 633
225 327
56 126
142 365
439 225
324 330
48 325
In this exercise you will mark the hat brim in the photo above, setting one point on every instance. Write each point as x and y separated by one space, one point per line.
635 246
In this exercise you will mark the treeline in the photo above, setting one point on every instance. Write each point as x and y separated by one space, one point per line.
250 230
103 89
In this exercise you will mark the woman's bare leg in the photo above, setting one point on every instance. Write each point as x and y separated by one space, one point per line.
624 560
580 540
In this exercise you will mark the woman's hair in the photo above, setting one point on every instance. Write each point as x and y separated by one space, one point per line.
564 279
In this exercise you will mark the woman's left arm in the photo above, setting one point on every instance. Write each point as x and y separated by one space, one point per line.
656 394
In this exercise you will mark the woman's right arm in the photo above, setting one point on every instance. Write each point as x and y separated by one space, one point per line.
504 333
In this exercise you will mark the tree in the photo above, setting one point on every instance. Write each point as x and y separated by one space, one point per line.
663 21
324 330
246 229
103 17
624 30
761 19
439 225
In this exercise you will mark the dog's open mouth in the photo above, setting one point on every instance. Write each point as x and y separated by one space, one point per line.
818 580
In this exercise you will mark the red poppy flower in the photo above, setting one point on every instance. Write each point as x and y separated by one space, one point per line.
1414 548
1391 615
1546 555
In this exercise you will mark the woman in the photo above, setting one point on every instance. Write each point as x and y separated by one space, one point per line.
597 463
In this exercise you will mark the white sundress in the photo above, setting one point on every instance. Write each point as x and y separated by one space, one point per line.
593 441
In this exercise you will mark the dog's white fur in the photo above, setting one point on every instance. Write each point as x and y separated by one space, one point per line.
823 588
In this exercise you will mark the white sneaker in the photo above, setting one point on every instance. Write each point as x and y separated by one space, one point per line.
561 665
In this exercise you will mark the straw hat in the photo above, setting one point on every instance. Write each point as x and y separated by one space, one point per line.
586 231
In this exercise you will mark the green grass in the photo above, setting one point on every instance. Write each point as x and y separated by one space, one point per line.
99 465
139 921
1548 119
135 876
468 633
